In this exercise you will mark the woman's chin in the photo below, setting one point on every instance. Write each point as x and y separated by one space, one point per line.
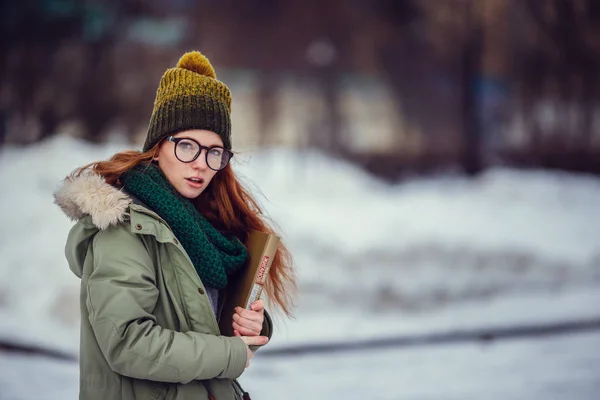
190 193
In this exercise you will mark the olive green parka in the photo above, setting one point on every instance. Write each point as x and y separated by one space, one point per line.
147 327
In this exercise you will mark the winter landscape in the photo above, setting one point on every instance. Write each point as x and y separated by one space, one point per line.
507 249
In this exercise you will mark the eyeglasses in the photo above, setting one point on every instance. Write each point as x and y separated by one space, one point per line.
187 150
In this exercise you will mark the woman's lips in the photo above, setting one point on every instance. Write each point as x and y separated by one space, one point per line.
195 183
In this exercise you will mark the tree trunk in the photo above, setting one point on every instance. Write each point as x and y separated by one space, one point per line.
266 96
328 81
470 70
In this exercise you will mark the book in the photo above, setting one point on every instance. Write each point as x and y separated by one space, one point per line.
248 283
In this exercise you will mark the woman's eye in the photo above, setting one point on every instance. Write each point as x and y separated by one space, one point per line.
216 152
185 145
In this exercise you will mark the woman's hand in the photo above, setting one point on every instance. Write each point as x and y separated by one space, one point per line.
252 341
249 322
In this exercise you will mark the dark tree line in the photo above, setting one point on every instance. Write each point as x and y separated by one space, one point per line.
555 68
59 64
78 62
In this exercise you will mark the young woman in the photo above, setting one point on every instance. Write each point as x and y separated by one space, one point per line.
158 235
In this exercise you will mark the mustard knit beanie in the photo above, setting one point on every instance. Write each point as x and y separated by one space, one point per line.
190 97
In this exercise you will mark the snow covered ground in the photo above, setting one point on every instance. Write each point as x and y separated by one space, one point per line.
373 260
557 368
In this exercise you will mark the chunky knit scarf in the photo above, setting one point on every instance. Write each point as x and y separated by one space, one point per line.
214 255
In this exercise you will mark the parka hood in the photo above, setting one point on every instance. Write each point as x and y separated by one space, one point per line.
89 194
96 206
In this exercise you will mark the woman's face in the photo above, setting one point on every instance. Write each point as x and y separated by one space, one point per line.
189 179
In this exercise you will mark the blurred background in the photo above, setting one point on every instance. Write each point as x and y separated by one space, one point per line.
432 164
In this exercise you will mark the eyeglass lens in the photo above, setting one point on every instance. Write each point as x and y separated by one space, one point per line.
188 150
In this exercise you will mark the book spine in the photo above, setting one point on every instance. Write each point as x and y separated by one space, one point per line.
261 276
254 294
263 270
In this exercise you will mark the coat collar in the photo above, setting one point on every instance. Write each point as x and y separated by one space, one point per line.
89 194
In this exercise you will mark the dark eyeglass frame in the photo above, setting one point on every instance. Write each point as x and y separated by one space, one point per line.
200 148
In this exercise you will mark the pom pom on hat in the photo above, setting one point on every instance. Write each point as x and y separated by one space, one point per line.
197 62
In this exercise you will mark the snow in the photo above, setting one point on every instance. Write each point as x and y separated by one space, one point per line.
501 209
552 368
373 260
509 370
36 378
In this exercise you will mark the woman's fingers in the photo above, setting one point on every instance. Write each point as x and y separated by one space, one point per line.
244 331
245 326
250 314
249 322
258 305
255 341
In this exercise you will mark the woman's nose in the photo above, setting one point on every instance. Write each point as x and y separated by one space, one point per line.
200 161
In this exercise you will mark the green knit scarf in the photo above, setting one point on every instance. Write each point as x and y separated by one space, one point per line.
214 255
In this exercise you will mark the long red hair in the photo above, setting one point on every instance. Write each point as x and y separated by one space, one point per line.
227 205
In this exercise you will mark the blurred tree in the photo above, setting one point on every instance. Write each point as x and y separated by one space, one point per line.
401 53
328 32
307 38
31 32
249 36
102 61
59 65
470 72
322 41
555 62
418 76
455 29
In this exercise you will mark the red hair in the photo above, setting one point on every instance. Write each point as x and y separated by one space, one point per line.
227 205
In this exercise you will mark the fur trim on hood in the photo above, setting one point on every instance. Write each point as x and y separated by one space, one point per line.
89 194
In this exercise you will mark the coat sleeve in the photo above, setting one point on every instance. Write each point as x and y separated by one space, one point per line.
121 297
